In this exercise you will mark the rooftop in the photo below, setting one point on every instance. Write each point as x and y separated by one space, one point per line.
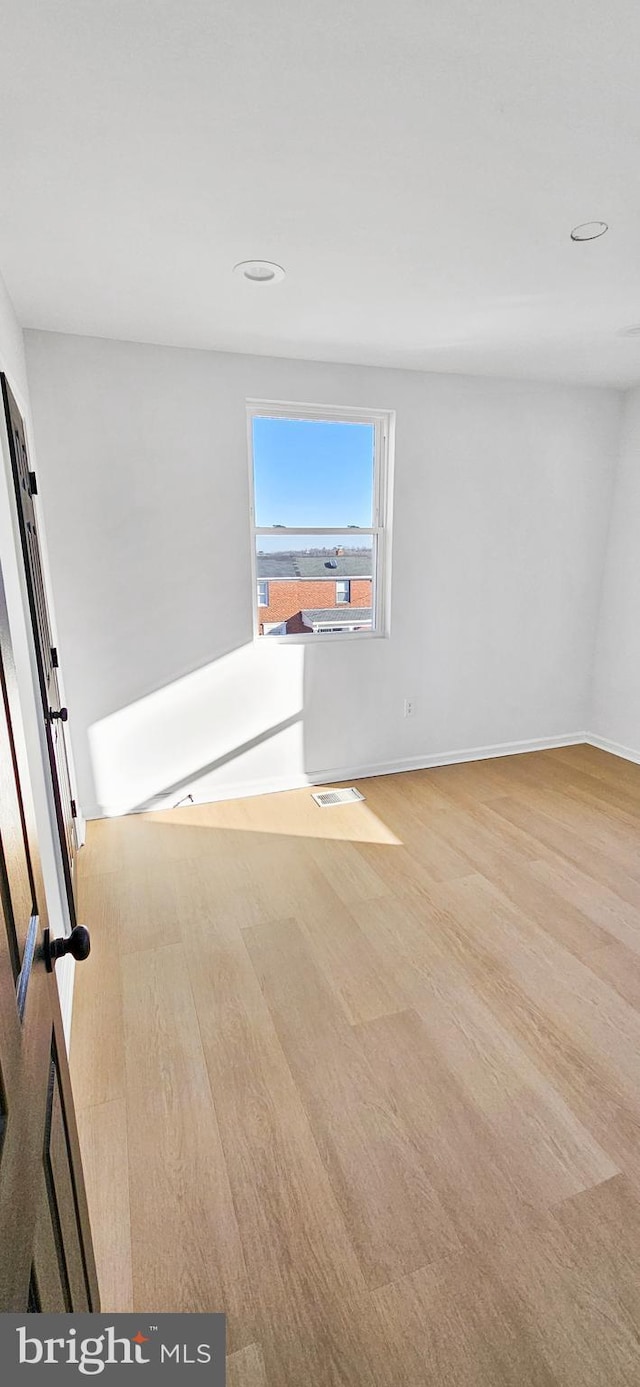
296 565
337 616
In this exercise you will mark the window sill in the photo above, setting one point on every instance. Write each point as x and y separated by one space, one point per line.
300 638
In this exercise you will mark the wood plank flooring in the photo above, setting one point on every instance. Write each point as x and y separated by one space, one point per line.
368 1078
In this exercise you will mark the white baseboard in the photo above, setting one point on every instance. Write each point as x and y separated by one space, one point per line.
444 758
614 748
299 780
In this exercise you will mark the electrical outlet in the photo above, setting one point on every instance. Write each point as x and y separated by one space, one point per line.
409 707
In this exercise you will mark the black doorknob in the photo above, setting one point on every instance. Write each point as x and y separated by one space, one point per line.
78 944
61 713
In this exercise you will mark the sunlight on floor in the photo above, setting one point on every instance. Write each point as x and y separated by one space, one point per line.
292 813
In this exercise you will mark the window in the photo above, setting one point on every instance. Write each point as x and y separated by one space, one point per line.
320 516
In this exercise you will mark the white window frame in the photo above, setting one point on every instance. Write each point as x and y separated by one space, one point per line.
262 582
341 583
383 421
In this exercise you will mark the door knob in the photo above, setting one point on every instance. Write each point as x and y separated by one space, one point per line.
61 713
78 944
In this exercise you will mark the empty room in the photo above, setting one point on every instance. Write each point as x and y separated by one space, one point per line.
320 671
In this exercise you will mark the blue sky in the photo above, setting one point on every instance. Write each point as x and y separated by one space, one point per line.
312 472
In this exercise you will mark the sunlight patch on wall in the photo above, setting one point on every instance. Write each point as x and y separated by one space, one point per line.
210 728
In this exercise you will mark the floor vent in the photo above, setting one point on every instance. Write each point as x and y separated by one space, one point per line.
327 798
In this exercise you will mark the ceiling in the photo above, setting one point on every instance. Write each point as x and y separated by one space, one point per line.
415 166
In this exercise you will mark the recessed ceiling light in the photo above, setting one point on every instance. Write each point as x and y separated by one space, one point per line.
259 271
589 231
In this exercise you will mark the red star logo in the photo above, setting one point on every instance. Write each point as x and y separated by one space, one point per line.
140 1338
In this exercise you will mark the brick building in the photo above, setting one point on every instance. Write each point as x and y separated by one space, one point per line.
314 592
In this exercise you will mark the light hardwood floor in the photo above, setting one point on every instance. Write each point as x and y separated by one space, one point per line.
368 1078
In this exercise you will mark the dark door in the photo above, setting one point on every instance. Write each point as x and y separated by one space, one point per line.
46 1256
54 714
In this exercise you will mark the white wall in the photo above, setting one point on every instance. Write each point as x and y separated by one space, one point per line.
12 362
615 717
501 503
12 358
